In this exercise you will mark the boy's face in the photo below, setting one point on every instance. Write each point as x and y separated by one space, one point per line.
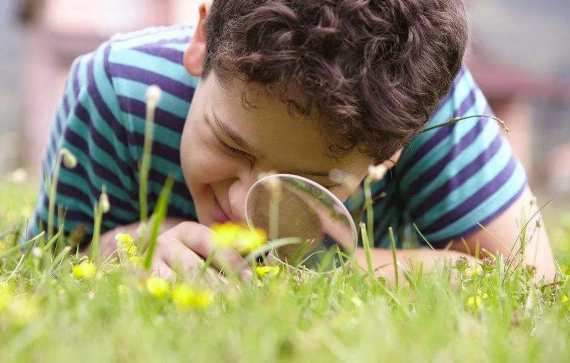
225 146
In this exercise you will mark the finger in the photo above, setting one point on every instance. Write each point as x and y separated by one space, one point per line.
178 257
162 270
199 240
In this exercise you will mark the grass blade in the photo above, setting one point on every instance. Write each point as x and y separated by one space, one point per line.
156 220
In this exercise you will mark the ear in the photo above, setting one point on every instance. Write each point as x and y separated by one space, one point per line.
195 53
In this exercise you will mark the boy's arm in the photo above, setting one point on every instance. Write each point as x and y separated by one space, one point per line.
382 260
520 222
518 232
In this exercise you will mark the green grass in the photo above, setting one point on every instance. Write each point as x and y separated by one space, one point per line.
48 315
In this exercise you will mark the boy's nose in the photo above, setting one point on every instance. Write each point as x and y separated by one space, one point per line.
237 194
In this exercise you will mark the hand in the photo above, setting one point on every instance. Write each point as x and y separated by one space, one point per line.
182 245
109 244
185 247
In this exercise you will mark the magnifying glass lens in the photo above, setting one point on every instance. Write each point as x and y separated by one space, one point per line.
296 208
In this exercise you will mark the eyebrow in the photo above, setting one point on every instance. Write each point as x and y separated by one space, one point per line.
234 136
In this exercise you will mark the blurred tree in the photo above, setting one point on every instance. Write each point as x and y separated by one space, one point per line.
29 10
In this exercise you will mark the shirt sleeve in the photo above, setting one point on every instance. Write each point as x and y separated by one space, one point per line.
456 178
89 124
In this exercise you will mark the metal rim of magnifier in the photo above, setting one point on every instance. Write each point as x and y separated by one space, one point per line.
316 185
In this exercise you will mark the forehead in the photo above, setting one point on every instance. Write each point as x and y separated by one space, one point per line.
263 117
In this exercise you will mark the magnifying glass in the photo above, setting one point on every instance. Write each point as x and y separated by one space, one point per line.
291 207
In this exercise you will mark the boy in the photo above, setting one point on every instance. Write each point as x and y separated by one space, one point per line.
301 87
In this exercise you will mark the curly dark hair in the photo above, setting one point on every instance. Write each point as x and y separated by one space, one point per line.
375 70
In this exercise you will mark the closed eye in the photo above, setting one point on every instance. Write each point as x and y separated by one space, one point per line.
231 149
228 149
236 152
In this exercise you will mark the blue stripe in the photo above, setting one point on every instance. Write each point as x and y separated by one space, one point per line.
144 77
74 217
156 178
453 182
174 102
168 54
167 155
82 189
462 201
421 183
148 67
389 210
445 140
458 196
461 155
96 144
84 125
91 123
168 138
513 181
97 171
62 115
446 109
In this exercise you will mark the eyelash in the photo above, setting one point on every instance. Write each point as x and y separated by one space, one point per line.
238 152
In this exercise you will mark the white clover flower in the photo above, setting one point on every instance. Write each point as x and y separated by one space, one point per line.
104 203
19 176
69 160
377 172
37 252
153 95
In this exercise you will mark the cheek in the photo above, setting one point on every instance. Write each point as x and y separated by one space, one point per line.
202 163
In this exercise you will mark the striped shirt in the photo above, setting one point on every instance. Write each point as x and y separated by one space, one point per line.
447 182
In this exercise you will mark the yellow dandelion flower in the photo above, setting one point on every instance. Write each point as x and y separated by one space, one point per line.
225 235
157 287
263 271
185 297
6 295
137 261
86 270
474 301
3 246
473 271
564 299
126 244
250 240
483 294
23 309
243 239
203 299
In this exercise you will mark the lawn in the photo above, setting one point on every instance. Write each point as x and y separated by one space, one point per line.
55 309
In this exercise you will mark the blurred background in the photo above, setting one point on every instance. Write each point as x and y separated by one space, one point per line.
520 56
